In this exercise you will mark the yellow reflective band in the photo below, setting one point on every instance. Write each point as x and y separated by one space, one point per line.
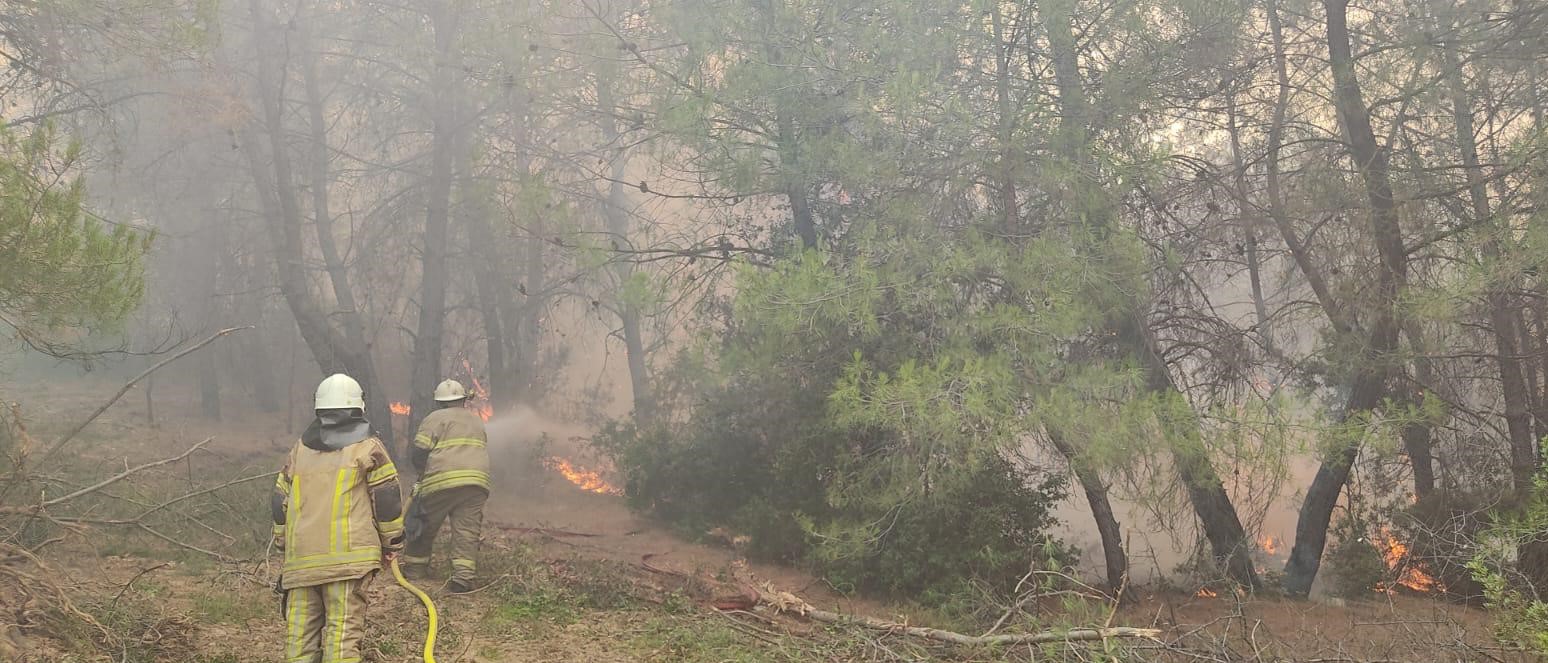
415 560
461 442
464 564
340 616
295 619
423 441
292 515
452 479
325 560
334 516
349 505
280 484
390 528
381 474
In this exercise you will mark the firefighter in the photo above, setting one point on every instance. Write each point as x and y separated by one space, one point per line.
453 462
338 518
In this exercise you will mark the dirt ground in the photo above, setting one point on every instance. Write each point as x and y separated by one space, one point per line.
571 579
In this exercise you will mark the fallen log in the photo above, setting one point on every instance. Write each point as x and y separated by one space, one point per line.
786 602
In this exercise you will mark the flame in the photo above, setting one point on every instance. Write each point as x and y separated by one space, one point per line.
1270 545
588 480
400 409
1206 593
1395 553
484 409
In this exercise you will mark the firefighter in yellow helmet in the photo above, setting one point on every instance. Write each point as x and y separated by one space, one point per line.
338 518
453 462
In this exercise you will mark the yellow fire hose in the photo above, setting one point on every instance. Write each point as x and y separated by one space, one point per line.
424 598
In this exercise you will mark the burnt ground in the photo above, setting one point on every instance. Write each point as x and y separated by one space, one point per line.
573 576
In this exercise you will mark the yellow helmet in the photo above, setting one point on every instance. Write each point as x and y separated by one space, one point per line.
449 391
339 391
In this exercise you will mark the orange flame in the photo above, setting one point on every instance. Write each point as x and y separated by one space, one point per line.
400 409
588 480
1270 545
484 409
1395 553
1206 593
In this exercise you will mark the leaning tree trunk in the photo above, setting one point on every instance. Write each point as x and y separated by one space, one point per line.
1113 554
433 270
1373 370
1206 493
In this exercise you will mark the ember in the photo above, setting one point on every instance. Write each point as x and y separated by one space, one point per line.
587 480
400 409
1206 593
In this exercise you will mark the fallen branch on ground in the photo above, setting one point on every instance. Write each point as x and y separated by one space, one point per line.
130 385
785 602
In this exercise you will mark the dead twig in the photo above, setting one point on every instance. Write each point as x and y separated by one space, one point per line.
126 474
114 604
130 385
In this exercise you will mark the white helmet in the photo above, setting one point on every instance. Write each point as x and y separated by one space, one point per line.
449 391
339 391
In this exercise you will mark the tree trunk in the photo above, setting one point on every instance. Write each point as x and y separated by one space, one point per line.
617 215
1117 560
1009 198
1523 456
1372 373
1418 438
1206 493
433 269
1249 221
356 352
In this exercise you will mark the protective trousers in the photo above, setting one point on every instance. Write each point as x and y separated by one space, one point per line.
463 506
324 622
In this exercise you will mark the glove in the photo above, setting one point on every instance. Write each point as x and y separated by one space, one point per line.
279 589
279 538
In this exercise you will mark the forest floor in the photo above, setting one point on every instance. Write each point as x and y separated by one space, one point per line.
571 576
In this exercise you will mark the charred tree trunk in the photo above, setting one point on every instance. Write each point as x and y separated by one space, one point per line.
433 269
1374 369
1206 493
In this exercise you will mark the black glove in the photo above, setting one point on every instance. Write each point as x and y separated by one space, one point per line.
279 588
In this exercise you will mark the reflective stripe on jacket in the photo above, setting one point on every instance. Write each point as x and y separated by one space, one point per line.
330 527
455 439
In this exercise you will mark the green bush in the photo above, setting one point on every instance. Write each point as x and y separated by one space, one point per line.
1514 596
1355 565
862 412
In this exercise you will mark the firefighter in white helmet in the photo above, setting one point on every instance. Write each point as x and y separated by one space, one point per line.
453 462
338 518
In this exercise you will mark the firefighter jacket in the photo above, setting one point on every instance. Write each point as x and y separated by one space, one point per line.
450 451
336 511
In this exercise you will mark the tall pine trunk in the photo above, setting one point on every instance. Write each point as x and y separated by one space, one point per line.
1206 493
433 268
1373 371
